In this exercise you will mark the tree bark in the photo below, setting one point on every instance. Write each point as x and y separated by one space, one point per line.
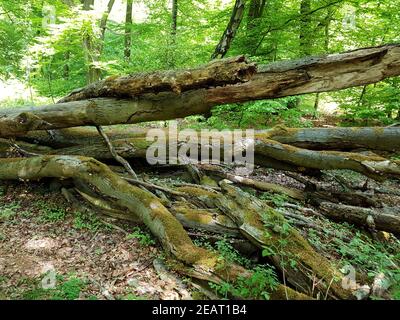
93 51
305 28
230 31
216 73
128 31
384 219
296 159
147 207
332 72
340 138
172 45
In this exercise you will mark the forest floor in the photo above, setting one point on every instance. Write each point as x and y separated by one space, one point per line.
92 259
97 258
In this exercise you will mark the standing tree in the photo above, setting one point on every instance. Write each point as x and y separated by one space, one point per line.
128 30
230 31
94 47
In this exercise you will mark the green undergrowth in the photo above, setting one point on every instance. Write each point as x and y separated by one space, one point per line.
259 285
66 288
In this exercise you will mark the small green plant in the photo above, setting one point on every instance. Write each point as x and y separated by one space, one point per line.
131 296
229 254
9 211
258 286
50 213
3 191
277 199
66 289
144 238
87 221
277 226
3 279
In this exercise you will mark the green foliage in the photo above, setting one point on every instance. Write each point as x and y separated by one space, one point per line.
259 114
131 296
259 285
229 254
50 213
9 211
66 289
52 59
87 221
364 254
277 225
145 239
375 105
277 199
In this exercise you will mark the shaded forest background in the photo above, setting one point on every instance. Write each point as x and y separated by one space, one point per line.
53 47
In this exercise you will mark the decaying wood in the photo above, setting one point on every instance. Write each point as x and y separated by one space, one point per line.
256 184
116 156
218 206
327 73
339 138
197 262
385 219
216 73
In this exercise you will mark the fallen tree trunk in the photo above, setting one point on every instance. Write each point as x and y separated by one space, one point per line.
339 138
215 73
295 159
139 203
147 207
332 72
384 219
269 230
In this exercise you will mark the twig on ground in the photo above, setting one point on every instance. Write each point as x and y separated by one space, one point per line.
116 156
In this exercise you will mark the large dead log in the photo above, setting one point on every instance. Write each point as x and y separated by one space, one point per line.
275 154
138 203
268 229
147 207
338 138
327 73
216 73
384 219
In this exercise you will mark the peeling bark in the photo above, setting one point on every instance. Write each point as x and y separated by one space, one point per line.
310 75
216 73
139 204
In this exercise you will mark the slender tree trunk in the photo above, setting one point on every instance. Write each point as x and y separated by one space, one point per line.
256 10
316 105
87 4
172 45
174 20
128 31
305 24
93 50
66 65
326 26
230 31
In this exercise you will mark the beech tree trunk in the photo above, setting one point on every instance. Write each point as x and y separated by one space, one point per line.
128 31
230 31
339 138
148 208
332 72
